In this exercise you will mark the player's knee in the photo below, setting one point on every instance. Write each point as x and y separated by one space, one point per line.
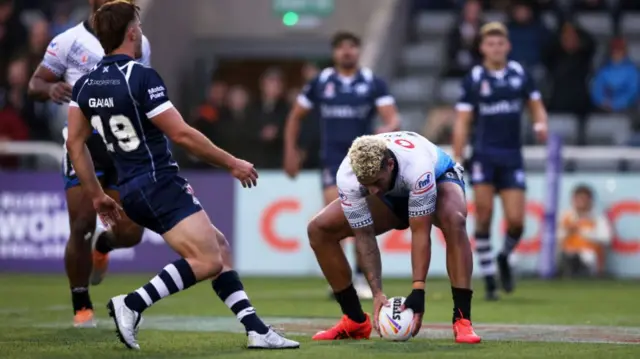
317 233
515 230
222 242
82 229
454 221
483 218
207 267
128 235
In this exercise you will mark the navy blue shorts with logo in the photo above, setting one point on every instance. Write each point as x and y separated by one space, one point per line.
329 173
400 205
501 174
159 205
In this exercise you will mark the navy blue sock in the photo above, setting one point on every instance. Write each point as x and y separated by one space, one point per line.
174 277
231 291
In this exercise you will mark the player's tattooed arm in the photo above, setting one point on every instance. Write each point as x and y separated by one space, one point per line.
369 257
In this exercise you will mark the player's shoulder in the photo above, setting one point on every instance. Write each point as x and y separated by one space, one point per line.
516 67
345 178
65 40
325 75
475 74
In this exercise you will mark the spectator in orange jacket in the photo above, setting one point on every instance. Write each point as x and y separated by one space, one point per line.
583 235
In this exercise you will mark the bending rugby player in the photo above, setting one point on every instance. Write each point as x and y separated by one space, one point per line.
70 55
127 103
347 97
396 180
494 97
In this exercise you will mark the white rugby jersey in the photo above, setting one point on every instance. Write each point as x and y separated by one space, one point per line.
419 163
76 51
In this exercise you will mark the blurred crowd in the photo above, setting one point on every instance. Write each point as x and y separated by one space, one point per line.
26 28
252 127
572 76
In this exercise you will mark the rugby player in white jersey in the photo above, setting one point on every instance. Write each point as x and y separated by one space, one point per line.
395 180
69 56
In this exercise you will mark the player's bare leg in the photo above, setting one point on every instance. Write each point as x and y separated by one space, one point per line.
77 255
451 213
513 203
195 240
203 249
483 197
330 194
124 234
325 231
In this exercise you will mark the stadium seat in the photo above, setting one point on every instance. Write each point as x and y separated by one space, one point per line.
412 89
412 118
495 16
634 165
634 51
630 24
423 55
535 165
449 90
598 24
599 165
430 23
608 129
566 126
550 20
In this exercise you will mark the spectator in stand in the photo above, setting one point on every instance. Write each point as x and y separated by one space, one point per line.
616 85
33 114
237 132
527 33
568 63
61 19
208 114
583 235
207 118
12 126
12 34
463 50
38 41
269 114
309 140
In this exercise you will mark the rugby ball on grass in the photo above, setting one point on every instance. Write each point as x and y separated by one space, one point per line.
394 324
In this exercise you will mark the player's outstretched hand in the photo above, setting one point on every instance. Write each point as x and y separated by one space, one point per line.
541 132
60 92
415 302
245 173
107 209
292 163
379 301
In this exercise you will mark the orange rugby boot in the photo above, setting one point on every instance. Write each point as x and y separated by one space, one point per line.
346 329
463 332
84 319
100 266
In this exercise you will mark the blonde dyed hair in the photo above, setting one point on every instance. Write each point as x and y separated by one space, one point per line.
366 155
494 28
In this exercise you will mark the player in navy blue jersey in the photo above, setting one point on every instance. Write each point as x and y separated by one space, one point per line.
495 94
127 104
347 97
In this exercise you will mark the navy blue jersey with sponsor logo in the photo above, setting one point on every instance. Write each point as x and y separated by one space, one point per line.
497 99
119 97
347 107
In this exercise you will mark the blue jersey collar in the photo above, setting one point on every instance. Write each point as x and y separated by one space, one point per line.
116 58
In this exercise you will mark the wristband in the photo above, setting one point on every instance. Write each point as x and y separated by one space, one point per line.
539 126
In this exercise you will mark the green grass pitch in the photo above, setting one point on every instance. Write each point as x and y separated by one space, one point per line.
587 319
